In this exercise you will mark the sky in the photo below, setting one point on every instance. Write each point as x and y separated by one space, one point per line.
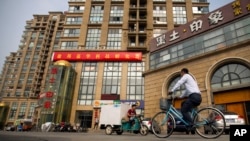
15 13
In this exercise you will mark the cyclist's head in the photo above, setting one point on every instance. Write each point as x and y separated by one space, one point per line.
184 71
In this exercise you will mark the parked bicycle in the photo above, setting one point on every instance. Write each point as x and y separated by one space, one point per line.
209 122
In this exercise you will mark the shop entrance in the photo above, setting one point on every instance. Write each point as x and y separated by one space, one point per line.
85 118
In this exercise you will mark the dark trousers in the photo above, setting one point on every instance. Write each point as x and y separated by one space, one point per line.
191 102
131 121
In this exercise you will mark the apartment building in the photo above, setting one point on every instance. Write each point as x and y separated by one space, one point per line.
24 74
106 42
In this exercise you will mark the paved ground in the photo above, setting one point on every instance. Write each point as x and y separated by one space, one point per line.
97 136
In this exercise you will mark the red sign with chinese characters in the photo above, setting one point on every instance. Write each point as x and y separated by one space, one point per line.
53 71
214 19
97 56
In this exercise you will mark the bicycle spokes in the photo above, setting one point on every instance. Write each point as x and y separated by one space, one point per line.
163 125
210 123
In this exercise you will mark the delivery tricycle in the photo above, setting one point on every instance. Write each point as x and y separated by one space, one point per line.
113 119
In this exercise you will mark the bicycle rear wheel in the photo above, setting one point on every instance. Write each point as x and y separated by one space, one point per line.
209 123
162 125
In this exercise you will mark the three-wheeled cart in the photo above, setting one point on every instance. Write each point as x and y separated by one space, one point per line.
112 119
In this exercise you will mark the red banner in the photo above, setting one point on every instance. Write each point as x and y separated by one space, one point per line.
97 56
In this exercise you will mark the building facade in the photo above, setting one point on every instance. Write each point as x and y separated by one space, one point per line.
24 74
107 44
215 48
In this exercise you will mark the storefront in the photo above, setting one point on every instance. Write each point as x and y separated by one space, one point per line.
215 48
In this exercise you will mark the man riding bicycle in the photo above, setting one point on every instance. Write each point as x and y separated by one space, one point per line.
192 93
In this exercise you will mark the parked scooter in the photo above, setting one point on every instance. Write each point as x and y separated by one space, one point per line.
57 128
63 127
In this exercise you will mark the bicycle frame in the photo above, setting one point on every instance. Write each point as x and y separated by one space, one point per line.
172 110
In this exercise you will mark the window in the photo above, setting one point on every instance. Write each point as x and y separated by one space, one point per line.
116 15
179 15
88 78
30 78
69 45
33 36
159 14
13 111
111 78
229 75
31 110
31 45
114 39
58 34
135 81
22 110
76 9
74 20
96 14
199 10
93 38
71 32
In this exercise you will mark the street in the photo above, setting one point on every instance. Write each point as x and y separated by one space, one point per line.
97 136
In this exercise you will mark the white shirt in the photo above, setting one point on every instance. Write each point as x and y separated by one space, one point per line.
190 85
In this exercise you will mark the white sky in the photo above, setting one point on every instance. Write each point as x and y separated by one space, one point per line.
15 13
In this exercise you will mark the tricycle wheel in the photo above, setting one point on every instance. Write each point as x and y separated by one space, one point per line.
144 130
108 130
119 132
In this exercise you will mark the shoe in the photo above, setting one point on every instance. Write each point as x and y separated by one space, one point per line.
191 128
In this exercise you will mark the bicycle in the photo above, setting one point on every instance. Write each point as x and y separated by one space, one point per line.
209 122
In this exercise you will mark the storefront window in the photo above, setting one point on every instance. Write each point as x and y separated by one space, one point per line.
229 75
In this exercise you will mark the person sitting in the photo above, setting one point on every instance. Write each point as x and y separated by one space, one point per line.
131 114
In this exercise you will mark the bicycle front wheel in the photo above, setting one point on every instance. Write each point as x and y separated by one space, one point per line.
162 125
210 123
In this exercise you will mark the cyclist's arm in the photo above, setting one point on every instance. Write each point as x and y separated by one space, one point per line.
179 83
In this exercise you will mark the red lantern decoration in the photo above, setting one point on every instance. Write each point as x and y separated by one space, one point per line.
47 104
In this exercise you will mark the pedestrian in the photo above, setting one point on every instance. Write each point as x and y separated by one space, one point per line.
192 93
96 123
38 125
